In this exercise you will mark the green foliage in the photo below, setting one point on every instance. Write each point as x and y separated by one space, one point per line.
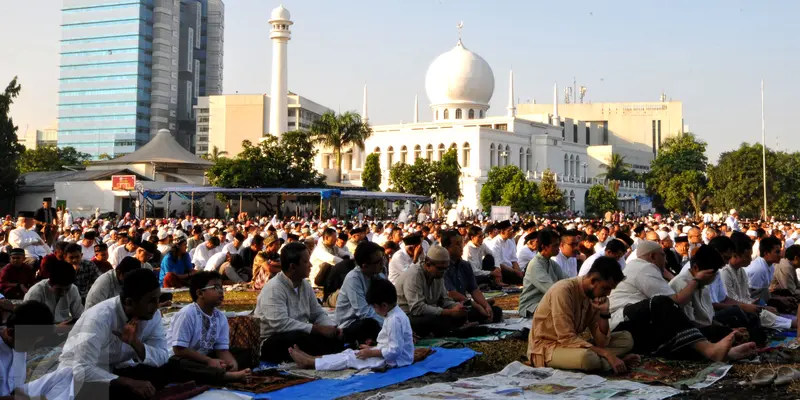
50 158
287 162
10 149
737 181
215 154
676 178
599 200
428 178
371 176
552 197
617 169
340 131
508 186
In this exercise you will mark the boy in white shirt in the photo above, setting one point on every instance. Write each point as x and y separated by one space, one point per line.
199 337
395 341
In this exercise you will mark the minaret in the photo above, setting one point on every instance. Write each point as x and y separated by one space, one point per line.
555 104
512 111
364 114
416 108
280 20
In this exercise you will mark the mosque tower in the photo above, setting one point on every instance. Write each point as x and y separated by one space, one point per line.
280 20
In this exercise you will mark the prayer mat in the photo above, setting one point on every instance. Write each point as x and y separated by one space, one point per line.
266 381
181 391
652 371
245 336
494 293
458 342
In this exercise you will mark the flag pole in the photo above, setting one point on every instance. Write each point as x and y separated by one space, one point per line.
764 151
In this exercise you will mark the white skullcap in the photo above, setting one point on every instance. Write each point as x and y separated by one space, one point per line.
162 234
686 229
733 211
646 247
438 253
662 235
751 232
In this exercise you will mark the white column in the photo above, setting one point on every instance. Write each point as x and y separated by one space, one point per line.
512 111
278 105
364 114
416 108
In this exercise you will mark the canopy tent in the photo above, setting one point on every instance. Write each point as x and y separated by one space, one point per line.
388 196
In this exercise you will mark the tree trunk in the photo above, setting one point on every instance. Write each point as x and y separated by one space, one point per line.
337 153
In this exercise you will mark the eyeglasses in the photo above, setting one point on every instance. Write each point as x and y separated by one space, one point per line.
217 287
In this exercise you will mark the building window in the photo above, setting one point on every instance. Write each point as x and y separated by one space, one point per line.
566 164
574 133
417 152
491 156
654 137
521 159
571 165
437 115
471 114
465 155
563 133
659 134
588 131
528 159
505 154
578 166
605 134
483 114
348 160
390 156
501 127
403 155
441 150
458 113
429 152
446 114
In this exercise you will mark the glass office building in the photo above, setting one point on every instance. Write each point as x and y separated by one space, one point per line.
127 69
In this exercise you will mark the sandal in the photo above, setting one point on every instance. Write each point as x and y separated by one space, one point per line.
786 375
764 377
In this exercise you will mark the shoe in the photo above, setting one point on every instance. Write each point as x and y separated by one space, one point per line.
764 377
786 375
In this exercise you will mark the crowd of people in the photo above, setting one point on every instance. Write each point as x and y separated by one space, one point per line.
691 289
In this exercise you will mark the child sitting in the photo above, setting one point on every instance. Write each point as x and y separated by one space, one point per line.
199 336
395 341
28 325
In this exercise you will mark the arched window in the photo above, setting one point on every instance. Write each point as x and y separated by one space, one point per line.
458 113
453 146
465 155
390 156
482 114
437 115
441 150
571 165
578 166
446 114
471 114
566 164
572 200
378 152
491 155
348 160
505 156
528 159
417 152
521 159
429 152
404 155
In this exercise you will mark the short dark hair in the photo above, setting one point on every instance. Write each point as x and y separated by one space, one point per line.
391 245
61 246
239 236
258 240
792 252
328 232
706 257
200 280
214 240
624 238
366 249
91 235
291 254
448 236
568 234
741 242
128 264
473 231
73 248
62 273
767 244
29 313
100 247
138 283
607 268
343 237
381 291
722 244
616 246
546 238
592 238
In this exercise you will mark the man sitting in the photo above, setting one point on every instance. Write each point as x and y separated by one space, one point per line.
128 249
60 295
110 284
784 282
647 307
290 314
614 249
459 281
410 254
541 274
57 255
480 258
203 252
326 252
176 266
395 346
568 250
572 306
116 348
85 271
421 294
354 314
526 250
504 251
100 259
331 280
16 278
760 273
199 336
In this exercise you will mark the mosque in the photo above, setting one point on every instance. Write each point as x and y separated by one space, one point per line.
459 85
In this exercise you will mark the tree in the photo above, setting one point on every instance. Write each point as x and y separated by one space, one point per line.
552 197
617 169
215 154
508 186
10 149
371 176
448 177
599 200
50 158
492 190
429 178
666 181
340 131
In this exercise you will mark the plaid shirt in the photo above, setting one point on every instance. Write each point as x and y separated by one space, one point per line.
85 276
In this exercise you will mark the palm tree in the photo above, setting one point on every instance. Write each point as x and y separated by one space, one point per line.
340 131
616 169
215 154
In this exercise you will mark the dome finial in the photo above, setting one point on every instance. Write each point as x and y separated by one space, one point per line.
459 27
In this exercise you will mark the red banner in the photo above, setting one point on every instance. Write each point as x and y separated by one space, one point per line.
123 182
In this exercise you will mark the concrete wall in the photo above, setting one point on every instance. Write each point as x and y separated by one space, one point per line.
234 118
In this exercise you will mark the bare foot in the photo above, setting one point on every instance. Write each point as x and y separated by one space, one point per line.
238 376
631 360
718 351
743 351
303 360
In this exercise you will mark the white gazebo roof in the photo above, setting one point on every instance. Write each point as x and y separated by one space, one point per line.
162 149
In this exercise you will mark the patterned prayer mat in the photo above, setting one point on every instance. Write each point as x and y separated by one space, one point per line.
267 381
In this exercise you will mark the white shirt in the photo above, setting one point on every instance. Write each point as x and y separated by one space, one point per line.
25 239
733 223
119 254
193 329
12 369
568 264
759 274
643 280
87 252
717 289
399 263
396 340
215 261
164 249
504 251
474 256
525 255
323 254
92 351
201 255
600 247
230 248
700 309
587 264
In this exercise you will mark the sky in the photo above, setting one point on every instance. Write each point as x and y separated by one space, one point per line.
711 55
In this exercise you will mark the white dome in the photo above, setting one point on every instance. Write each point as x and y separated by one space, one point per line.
280 14
459 76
